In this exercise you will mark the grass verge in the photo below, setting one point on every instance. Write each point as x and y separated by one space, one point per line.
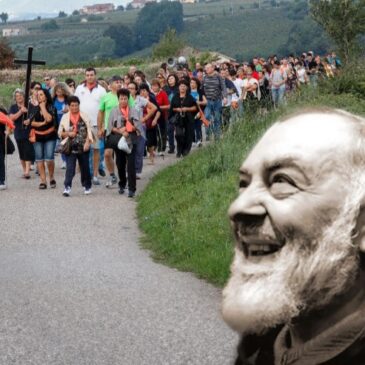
183 211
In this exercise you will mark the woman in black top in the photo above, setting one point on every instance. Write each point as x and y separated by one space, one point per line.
44 121
171 90
18 114
182 111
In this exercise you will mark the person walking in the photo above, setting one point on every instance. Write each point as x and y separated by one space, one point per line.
18 113
60 93
76 126
278 80
171 90
182 110
90 94
124 121
139 103
216 93
108 102
44 121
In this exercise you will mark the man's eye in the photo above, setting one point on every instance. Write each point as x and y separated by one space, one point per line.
282 179
244 184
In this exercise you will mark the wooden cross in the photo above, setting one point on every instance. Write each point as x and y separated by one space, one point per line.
29 62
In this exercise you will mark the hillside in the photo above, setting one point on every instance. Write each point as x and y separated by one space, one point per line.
238 28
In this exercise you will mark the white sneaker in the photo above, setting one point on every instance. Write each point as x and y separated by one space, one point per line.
95 181
199 144
111 181
67 191
3 187
87 191
63 166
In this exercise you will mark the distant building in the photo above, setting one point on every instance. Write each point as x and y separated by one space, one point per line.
13 32
97 9
139 4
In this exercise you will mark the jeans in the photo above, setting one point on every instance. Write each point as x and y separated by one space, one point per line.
126 161
237 114
213 112
278 95
83 159
171 136
44 151
140 147
197 130
2 167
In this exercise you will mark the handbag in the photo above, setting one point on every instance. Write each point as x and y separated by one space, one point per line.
124 146
65 146
175 119
113 140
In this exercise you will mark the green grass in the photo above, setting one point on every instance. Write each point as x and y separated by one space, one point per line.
183 211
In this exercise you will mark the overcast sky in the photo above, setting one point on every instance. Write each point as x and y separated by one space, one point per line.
18 8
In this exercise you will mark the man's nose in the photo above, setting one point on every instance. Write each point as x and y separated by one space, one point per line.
248 203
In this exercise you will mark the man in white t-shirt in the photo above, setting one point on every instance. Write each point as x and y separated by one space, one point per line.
236 104
90 94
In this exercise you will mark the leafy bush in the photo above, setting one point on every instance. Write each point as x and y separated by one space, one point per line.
50 26
350 80
170 44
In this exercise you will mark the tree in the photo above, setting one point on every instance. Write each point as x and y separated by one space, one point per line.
50 26
62 14
123 37
4 17
75 12
170 44
154 19
129 6
120 8
344 22
6 54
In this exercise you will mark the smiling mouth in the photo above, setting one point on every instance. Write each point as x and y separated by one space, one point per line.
262 249
257 246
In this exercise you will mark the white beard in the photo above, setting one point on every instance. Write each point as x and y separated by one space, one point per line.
305 275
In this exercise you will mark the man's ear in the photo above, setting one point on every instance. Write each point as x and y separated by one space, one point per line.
359 230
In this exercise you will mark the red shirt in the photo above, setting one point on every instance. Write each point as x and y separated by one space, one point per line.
163 100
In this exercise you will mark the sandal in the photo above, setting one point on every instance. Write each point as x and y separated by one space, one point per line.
26 177
42 186
52 184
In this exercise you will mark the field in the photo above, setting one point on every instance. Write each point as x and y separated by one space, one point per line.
243 30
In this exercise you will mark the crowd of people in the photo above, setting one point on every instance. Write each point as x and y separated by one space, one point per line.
113 125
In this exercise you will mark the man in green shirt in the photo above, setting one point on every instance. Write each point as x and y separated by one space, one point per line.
107 103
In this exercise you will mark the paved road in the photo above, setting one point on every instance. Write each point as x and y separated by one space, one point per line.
76 288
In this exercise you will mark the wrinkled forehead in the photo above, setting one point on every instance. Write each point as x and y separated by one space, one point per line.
310 137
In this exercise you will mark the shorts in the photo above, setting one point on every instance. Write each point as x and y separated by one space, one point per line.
44 151
151 135
96 144
25 149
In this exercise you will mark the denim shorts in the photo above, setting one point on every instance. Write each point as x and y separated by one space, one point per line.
44 151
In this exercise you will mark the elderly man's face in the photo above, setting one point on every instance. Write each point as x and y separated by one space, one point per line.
291 224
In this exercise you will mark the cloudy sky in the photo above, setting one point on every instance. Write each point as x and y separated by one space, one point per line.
27 8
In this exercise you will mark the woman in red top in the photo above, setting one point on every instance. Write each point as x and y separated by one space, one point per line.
163 102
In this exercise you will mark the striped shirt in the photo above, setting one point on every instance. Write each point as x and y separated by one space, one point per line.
214 87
